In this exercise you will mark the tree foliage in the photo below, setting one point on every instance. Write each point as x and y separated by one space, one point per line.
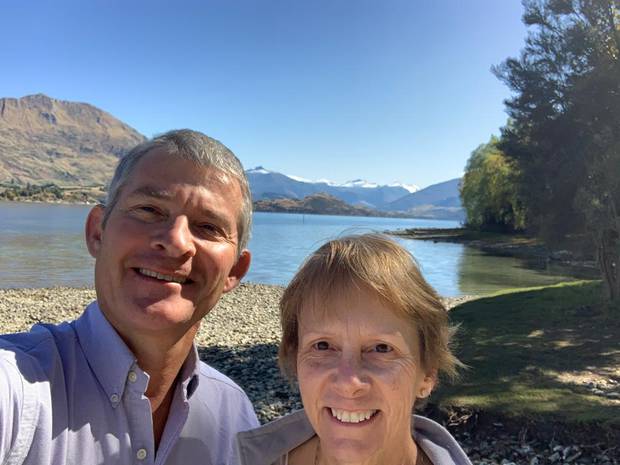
564 131
488 191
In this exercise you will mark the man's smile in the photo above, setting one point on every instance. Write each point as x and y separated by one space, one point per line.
163 277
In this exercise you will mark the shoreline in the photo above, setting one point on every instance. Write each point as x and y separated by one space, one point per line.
505 245
240 337
93 202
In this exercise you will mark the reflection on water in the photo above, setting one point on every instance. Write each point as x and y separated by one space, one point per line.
42 245
479 273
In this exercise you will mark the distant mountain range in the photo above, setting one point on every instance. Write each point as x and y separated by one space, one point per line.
271 185
75 145
440 201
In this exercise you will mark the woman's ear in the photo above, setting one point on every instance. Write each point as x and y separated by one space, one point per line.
94 230
427 384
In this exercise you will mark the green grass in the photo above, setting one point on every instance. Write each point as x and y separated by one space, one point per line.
529 349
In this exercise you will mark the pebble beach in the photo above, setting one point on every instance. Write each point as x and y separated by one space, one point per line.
240 338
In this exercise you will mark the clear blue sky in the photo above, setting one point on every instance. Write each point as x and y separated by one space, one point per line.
376 89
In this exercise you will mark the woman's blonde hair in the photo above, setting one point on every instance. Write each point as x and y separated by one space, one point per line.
378 265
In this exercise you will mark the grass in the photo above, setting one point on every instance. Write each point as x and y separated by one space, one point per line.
531 353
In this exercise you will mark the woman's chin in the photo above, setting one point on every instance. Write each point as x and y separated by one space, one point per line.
350 442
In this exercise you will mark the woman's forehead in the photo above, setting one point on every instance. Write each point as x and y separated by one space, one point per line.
342 304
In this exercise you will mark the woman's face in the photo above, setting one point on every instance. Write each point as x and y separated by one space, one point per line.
359 373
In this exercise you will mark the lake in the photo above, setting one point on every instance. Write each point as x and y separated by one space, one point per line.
42 245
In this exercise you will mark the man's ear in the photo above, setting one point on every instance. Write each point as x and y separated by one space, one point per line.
94 230
238 270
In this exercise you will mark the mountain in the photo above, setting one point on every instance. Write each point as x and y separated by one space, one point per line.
444 194
441 201
267 184
44 140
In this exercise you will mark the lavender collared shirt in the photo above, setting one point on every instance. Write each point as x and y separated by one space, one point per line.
74 394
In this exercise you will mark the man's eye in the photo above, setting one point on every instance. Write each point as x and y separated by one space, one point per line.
382 348
146 211
208 227
321 345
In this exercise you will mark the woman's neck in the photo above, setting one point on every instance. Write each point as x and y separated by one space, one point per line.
388 456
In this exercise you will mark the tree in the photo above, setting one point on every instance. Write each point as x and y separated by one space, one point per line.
564 131
488 191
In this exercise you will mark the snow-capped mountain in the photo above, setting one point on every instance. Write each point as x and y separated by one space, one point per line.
410 187
266 184
360 183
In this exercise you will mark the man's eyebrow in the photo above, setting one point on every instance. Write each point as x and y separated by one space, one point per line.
158 193
150 191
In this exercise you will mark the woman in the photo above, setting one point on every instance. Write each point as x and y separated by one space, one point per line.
365 337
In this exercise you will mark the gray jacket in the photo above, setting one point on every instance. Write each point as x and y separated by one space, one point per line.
267 444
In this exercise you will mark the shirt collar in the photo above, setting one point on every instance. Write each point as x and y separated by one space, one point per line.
111 360
108 356
190 373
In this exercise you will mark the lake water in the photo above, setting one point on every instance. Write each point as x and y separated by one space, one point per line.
42 245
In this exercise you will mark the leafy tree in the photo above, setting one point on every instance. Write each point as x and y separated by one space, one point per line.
488 191
564 131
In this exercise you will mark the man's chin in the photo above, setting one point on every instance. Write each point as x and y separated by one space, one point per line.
160 315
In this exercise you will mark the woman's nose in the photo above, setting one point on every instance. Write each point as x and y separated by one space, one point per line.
350 379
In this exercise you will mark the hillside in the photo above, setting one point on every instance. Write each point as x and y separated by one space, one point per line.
443 194
320 204
44 140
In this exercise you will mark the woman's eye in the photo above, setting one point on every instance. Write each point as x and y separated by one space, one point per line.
382 348
321 345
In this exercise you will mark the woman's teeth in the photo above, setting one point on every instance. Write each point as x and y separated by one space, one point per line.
346 416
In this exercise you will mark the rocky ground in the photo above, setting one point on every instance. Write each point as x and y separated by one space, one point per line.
240 338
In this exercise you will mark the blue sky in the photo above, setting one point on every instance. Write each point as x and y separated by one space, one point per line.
376 89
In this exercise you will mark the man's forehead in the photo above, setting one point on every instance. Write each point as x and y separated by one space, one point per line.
158 164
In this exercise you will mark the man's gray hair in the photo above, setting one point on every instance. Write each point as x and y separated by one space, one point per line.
198 148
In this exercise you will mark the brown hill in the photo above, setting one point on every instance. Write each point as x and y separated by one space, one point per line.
320 204
44 140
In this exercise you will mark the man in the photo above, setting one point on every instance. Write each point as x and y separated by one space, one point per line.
123 383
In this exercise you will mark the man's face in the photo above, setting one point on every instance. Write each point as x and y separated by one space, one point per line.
169 247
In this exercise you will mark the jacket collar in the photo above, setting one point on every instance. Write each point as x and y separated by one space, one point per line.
266 444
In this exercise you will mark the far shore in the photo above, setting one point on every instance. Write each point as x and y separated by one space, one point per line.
93 201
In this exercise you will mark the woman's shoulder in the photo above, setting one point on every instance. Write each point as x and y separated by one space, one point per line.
266 444
437 442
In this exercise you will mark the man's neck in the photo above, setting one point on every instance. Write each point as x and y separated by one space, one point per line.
162 360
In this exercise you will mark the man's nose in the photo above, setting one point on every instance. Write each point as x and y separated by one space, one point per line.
350 378
175 237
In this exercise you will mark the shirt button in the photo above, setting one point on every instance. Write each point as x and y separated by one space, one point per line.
141 454
132 376
114 398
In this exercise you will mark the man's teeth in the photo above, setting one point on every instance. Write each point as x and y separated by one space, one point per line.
352 417
163 277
